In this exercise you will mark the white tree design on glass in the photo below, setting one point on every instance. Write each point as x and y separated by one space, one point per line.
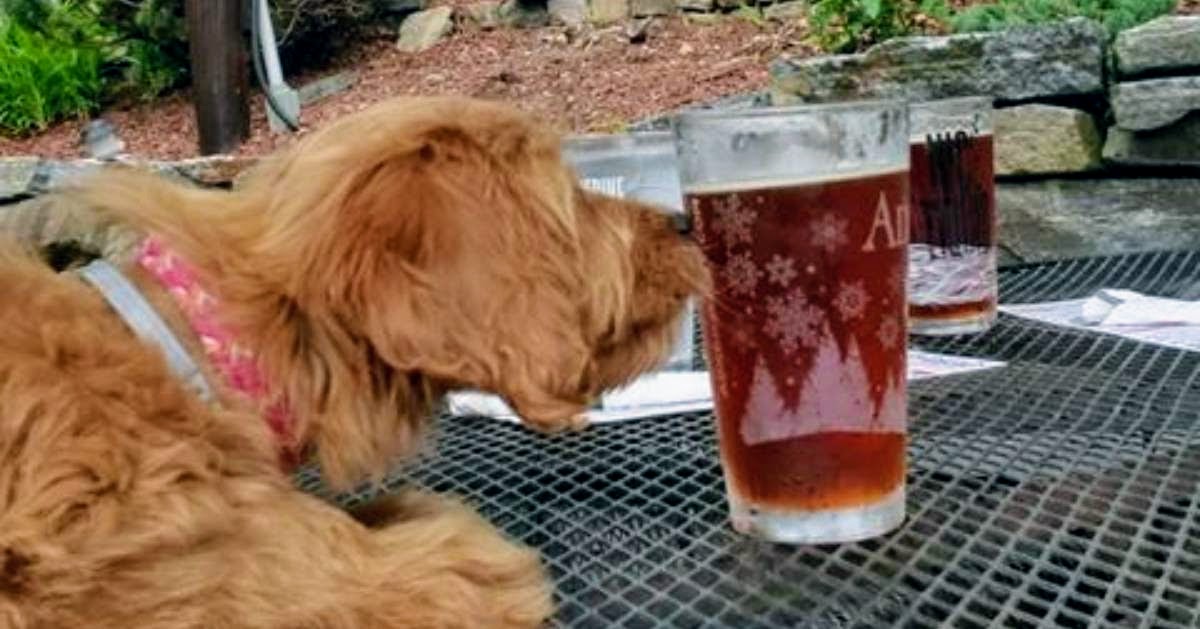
829 233
793 322
742 274
781 270
733 222
889 332
765 417
851 300
835 395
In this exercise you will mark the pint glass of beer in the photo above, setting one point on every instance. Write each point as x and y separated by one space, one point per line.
952 251
802 213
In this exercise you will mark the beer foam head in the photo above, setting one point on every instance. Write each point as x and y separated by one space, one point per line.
971 115
798 180
790 144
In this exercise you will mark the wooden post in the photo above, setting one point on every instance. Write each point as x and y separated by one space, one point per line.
220 90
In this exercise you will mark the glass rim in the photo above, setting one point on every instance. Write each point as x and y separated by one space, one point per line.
880 104
599 136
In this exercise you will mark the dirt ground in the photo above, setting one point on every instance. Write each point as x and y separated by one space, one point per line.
593 81
598 80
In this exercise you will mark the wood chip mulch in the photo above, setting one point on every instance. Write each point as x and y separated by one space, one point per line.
595 80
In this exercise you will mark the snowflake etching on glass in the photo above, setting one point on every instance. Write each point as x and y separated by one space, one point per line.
733 222
781 270
742 274
851 300
743 338
829 233
889 332
793 322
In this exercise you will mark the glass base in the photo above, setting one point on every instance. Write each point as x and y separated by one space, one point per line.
948 327
833 526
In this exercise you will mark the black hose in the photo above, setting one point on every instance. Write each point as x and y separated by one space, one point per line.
256 55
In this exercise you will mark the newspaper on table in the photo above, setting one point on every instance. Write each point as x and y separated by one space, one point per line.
1158 320
675 392
923 365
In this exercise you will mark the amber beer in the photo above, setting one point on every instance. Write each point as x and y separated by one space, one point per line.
808 337
805 335
952 263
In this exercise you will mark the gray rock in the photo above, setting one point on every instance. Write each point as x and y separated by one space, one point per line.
420 31
703 19
787 11
31 176
518 15
745 100
1039 61
391 13
567 12
485 15
646 8
403 7
216 170
1066 218
18 176
1167 43
1154 103
607 11
47 219
1176 144
1040 139
325 87
52 174
100 140
694 5
639 29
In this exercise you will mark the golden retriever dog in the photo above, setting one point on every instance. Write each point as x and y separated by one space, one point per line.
418 247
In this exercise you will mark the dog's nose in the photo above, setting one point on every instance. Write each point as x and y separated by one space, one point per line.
681 222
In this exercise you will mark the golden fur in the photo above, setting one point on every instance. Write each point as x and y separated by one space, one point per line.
417 247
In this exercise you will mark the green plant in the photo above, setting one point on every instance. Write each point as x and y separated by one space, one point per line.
154 55
142 42
42 79
1115 15
751 14
849 25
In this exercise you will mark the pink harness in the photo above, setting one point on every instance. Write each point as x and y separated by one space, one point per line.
237 365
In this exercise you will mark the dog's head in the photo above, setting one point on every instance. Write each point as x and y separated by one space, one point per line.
434 244
634 304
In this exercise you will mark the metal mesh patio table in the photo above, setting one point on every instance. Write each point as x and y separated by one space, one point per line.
1061 490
